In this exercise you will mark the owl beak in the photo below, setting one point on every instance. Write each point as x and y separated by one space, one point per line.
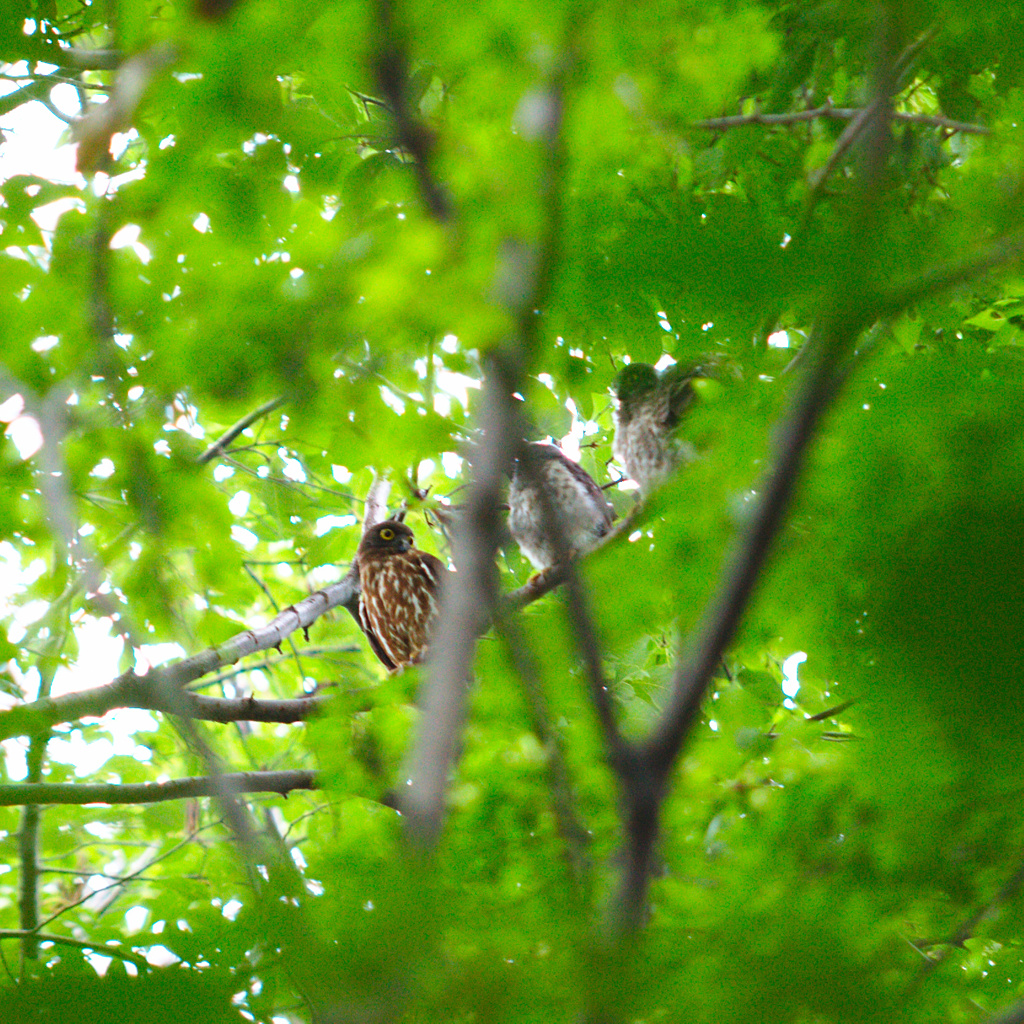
404 544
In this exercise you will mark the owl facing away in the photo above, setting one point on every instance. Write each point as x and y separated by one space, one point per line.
584 515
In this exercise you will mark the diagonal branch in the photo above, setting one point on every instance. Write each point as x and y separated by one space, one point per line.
35 90
135 691
1014 1014
40 715
743 566
217 448
840 323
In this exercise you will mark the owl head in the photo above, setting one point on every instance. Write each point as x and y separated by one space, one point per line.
634 382
389 536
538 452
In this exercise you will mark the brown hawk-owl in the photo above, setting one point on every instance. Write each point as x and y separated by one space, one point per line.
583 513
648 408
399 591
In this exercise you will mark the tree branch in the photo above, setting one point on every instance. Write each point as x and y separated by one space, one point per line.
1009 889
27 93
1013 1015
28 834
217 448
743 566
467 607
375 508
826 110
31 793
844 316
28 851
63 940
544 582
694 672
38 716
413 135
523 285
147 692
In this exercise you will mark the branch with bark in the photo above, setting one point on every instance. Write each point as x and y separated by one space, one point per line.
523 283
153 688
150 691
413 135
36 793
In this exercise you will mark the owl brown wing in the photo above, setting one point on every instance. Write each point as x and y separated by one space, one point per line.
433 574
377 648
434 569
400 603
594 492
352 606
676 386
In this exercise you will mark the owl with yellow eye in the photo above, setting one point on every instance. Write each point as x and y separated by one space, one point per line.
399 592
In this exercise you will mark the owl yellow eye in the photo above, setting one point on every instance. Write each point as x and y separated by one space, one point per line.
387 534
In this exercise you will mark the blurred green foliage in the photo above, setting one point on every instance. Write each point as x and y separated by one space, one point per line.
822 843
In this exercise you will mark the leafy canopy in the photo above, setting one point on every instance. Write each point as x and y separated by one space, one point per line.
326 219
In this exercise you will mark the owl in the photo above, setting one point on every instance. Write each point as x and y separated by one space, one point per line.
584 514
399 592
648 408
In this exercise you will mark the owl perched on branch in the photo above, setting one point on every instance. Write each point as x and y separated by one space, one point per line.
648 408
583 514
399 593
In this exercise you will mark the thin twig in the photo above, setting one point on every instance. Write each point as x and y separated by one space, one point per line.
217 448
827 110
63 940
119 881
